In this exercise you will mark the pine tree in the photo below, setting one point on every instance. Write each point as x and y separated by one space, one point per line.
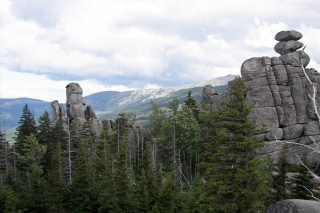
192 104
301 181
235 178
146 190
108 201
84 194
4 155
170 199
33 172
280 189
157 118
56 184
44 137
27 126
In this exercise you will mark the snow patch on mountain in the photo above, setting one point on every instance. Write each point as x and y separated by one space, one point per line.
146 94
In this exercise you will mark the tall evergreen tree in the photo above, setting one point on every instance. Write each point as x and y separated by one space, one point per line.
192 104
27 126
4 155
146 190
302 182
44 137
84 196
235 178
280 189
56 184
33 172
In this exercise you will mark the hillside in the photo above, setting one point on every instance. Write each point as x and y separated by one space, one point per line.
108 104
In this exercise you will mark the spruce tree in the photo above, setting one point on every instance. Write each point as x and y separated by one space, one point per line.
192 104
146 189
33 172
56 184
84 194
301 181
235 178
27 126
44 137
280 189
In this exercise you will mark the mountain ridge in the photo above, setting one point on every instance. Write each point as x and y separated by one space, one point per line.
108 104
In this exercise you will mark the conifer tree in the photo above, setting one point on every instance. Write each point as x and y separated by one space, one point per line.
235 178
44 136
4 155
33 172
280 189
108 201
146 190
192 104
157 118
27 126
84 195
302 182
56 184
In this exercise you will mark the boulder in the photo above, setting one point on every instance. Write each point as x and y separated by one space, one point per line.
265 117
293 58
288 35
294 206
293 132
280 74
252 69
275 134
207 92
284 47
260 97
276 61
312 128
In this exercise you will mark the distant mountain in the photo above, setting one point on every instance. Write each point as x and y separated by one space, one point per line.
109 104
11 109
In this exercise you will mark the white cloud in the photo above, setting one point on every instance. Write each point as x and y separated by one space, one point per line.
173 42
16 84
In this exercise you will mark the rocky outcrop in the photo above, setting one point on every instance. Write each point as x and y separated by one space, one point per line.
96 125
278 91
58 115
294 206
75 103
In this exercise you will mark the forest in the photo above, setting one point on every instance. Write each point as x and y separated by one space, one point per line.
204 160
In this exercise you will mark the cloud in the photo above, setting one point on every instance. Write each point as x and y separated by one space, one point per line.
17 84
141 43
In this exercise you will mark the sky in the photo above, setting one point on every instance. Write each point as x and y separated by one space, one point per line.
128 44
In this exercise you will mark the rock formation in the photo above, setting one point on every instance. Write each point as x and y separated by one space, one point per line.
75 103
58 115
95 124
295 206
278 90
77 116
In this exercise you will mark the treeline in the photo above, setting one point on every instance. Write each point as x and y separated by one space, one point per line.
198 161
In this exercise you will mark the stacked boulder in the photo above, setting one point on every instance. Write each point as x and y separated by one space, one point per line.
278 91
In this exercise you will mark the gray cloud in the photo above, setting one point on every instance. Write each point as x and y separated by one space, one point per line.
139 43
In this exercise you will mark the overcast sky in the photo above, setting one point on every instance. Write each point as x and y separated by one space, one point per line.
123 45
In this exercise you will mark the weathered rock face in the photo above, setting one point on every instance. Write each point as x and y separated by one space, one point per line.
76 115
278 90
295 206
96 125
58 115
